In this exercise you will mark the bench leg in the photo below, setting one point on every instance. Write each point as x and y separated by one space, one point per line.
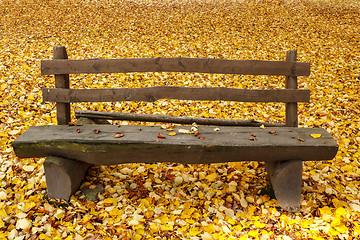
63 176
286 181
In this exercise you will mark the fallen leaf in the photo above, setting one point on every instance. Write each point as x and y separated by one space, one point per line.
172 133
201 138
272 131
183 131
315 135
160 136
97 131
196 133
301 139
118 135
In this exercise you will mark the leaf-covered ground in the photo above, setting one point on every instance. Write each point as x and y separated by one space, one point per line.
173 201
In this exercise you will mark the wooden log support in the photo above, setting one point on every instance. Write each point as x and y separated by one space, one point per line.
62 82
63 176
286 180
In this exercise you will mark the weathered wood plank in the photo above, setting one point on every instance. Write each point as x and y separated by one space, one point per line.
291 108
171 119
151 94
200 65
227 145
62 81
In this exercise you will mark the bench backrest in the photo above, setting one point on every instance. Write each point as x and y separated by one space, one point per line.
61 67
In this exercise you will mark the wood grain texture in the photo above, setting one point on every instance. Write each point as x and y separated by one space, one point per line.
230 144
199 65
63 176
62 81
286 181
152 94
291 109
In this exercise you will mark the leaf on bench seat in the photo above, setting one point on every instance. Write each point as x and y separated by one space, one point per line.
118 135
315 135
160 136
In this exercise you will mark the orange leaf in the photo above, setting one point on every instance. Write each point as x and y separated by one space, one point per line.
160 136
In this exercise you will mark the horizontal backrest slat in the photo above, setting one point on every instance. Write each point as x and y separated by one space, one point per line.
151 94
199 65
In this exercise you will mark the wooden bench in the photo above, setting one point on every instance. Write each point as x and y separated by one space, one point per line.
70 149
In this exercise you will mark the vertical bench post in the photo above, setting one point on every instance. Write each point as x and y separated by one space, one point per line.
291 109
62 81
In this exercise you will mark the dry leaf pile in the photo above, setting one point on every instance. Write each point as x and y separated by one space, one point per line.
172 201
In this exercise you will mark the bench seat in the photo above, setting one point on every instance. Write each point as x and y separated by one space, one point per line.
229 144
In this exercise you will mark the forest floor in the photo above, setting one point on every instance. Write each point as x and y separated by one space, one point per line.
218 201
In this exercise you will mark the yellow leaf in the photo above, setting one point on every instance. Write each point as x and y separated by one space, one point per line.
258 224
194 231
315 135
154 227
211 177
254 234
340 212
43 236
166 227
164 219
90 226
325 211
172 133
115 212
209 228
110 201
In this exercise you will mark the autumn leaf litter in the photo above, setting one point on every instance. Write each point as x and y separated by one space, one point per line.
174 201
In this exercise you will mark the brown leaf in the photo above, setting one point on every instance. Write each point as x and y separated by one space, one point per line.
160 136
201 138
197 133
42 210
252 139
272 131
301 139
118 135
78 130
254 135
97 131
